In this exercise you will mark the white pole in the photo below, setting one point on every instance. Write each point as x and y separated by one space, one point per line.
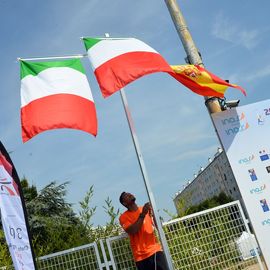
52 57
107 36
146 179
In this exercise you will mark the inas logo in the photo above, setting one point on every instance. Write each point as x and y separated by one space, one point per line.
235 123
266 222
246 160
258 190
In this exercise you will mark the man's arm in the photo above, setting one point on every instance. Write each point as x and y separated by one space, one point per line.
136 226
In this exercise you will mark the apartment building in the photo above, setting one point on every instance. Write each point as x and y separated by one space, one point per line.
215 177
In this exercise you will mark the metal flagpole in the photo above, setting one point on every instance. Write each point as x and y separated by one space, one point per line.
52 57
193 55
146 179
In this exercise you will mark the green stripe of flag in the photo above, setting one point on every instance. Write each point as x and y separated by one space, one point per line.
90 42
34 68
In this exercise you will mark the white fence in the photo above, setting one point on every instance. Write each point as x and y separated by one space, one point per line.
218 238
83 257
215 239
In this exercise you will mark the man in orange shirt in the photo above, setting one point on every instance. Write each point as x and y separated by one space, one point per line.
137 221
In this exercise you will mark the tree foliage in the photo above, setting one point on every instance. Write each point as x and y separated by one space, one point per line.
87 212
220 199
54 225
111 228
29 192
5 258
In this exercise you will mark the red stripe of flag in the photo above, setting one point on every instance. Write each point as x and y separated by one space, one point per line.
123 69
58 111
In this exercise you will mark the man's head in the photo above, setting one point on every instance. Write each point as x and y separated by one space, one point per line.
127 199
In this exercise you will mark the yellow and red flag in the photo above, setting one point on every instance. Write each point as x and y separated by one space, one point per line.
201 81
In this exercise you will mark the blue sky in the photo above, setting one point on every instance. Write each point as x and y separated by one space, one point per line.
172 123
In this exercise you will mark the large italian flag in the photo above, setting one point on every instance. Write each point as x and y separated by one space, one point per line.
117 62
55 95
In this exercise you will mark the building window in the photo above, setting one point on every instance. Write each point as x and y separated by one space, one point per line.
225 177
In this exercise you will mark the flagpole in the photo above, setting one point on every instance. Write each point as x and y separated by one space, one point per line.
52 57
107 36
193 55
146 179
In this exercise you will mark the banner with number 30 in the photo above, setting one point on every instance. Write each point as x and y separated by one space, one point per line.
13 219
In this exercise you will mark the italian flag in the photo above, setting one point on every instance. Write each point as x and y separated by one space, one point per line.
55 95
117 62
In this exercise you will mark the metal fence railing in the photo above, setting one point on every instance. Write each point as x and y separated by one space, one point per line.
80 258
215 239
120 253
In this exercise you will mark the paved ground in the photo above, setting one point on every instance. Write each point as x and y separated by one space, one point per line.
251 267
255 267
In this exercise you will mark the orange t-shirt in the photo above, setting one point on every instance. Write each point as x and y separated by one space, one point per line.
143 243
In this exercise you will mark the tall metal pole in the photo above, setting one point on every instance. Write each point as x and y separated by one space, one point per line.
146 180
193 55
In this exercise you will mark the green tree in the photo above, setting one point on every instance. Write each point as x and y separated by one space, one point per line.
87 212
29 192
53 223
112 227
5 259
222 198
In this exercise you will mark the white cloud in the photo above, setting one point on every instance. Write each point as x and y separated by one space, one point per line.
180 137
229 31
250 77
261 73
195 153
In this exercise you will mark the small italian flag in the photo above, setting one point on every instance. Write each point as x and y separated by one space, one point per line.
117 62
55 95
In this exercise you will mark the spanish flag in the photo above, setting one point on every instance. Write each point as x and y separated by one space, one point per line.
201 81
